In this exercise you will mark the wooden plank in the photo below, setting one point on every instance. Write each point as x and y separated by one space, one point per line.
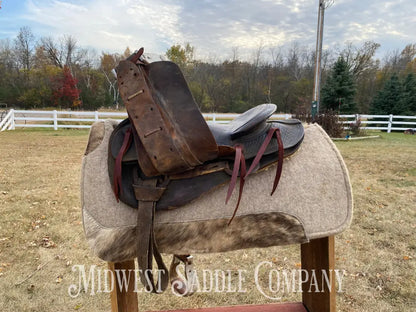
121 300
275 307
318 255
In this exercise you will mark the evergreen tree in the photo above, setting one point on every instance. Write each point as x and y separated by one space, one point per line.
408 98
388 100
339 89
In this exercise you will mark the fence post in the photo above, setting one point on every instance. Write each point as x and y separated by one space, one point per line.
12 123
96 116
390 123
55 120
213 117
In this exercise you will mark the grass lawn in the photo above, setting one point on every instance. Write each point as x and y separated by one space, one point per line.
41 235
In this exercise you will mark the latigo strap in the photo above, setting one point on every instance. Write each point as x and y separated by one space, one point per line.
149 194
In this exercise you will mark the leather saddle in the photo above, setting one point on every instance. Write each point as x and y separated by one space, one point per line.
165 155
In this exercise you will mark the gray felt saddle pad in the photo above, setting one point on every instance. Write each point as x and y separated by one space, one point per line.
313 200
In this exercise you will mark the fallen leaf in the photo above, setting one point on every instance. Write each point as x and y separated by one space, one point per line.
31 287
59 279
47 242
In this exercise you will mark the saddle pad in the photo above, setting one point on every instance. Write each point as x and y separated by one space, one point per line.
313 200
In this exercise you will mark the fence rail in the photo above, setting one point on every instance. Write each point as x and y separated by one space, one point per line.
74 119
382 122
83 119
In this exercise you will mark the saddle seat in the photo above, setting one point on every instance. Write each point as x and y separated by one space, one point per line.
251 127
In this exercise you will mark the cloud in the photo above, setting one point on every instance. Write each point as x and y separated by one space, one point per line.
215 27
109 26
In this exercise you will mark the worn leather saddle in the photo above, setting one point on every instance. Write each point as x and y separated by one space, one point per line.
165 155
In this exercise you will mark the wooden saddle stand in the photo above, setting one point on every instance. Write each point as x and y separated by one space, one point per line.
165 156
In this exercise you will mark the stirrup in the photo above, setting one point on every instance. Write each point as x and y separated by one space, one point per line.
183 287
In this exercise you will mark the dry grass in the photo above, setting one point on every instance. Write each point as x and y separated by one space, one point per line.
41 235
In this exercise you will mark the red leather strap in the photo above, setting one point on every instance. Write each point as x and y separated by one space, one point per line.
263 149
239 161
117 167
279 162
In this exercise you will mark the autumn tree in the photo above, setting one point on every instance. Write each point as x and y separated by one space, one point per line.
108 62
24 47
182 56
9 82
66 94
63 52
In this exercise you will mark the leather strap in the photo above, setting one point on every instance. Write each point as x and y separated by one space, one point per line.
146 244
117 169
239 161
280 161
261 151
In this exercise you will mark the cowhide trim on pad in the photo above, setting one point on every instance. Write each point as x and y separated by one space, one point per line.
272 229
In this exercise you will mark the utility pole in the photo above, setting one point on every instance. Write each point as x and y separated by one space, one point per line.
323 4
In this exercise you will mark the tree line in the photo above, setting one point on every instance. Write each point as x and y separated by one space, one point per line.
49 72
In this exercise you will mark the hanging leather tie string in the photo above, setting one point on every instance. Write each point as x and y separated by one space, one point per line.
239 161
279 162
117 167
263 149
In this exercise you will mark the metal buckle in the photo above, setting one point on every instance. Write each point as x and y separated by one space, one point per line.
183 287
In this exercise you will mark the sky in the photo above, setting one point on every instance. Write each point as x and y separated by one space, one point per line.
216 28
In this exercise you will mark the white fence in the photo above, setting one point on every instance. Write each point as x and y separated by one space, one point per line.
54 119
381 122
75 119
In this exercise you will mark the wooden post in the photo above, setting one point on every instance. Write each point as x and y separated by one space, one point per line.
316 256
122 300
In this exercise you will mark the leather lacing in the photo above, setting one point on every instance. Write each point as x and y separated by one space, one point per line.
239 161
